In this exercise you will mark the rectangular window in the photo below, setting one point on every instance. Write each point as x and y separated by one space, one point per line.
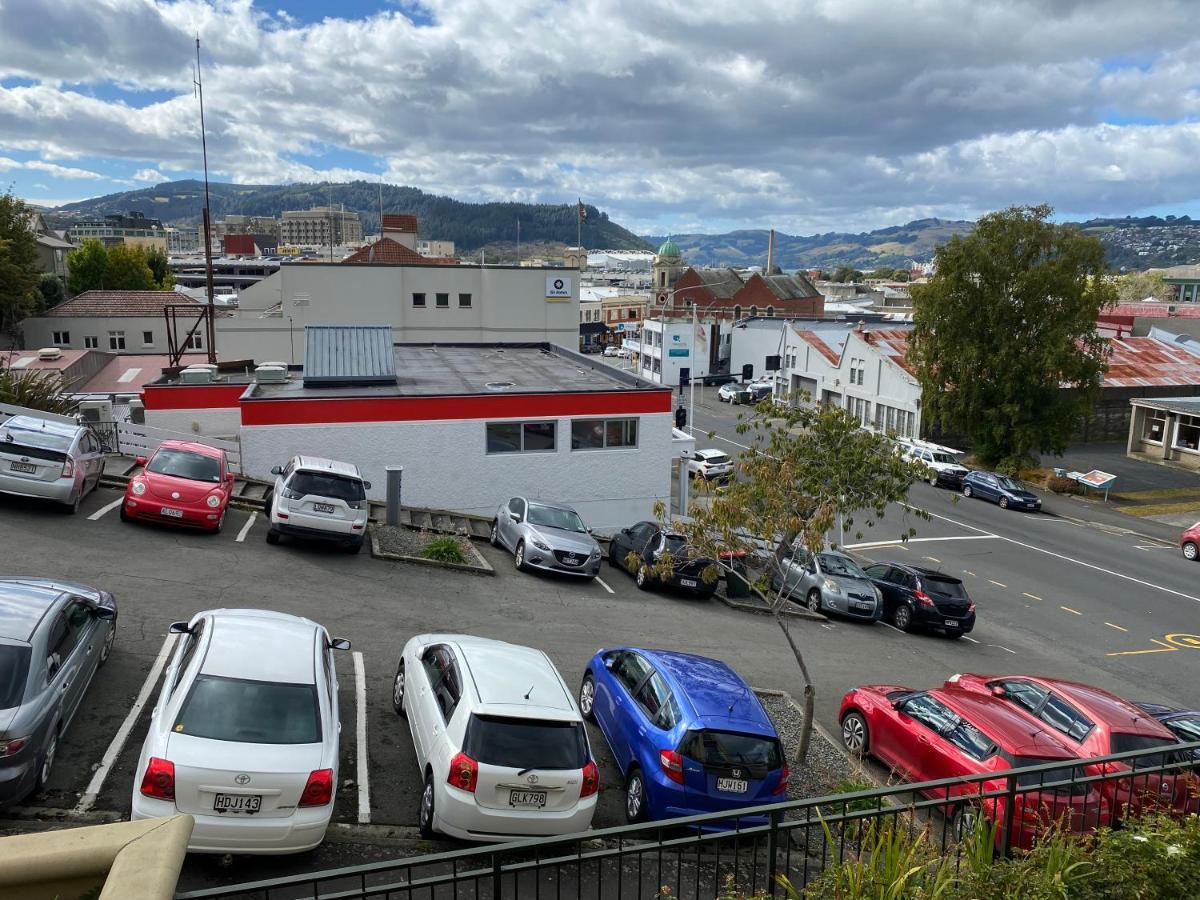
147 338
62 337
192 343
891 419
1187 434
419 300
464 301
520 437
443 300
91 342
116 340
603 434
1154 426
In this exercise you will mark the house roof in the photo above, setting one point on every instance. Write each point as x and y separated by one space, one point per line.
1186 405
1155 310
790 287
386 251
723 283
54 243
398 222
100 304
1146 362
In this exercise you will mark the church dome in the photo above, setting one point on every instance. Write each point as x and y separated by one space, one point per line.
669 250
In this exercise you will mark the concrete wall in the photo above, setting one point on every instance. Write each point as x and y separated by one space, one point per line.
1111 413
609 488
213 422
39 332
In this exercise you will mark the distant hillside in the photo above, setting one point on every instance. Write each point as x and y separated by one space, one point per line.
469 225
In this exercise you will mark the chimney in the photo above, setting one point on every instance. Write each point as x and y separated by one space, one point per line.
770 252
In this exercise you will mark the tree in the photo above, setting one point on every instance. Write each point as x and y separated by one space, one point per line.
1004 326
87 266
845 274
52 291
808 469
19 273
127 269
1139 285
160 269
36 390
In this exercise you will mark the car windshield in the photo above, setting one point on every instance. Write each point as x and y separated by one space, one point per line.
183 464
251 712
726 748
14 668
323 484
1008 484
833 564
554 517
945 586
1186 727
526 743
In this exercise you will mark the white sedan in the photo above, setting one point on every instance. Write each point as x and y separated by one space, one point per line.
732 392
498 738
245 734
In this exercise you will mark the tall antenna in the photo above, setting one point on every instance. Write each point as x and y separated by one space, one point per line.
331 221
381 206
208 269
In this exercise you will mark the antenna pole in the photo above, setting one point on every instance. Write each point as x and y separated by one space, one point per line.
208 269
381 206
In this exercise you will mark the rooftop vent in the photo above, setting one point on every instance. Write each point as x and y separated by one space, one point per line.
196 375
49 353
499 385
268 374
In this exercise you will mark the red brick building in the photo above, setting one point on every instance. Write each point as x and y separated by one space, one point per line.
724 294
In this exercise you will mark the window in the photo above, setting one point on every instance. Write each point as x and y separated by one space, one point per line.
631 313
116 340
62 337
14 670
192 343
630 670
1187 433
603 434
770 312
657 703
442 300
753 311
880 409
419 300
255 712
1154 426
519 743
520 437
91 342
147 338
722 749
464 301
737 311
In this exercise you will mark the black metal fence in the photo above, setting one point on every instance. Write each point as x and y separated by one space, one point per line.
694 857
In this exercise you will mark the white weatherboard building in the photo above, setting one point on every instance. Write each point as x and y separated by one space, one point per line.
665 347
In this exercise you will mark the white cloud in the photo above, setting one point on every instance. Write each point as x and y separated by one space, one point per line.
37 165
152 176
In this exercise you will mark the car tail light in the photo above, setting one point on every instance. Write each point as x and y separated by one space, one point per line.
159 780
782 787
591 780
971 606
319 790
68 468
464 772
672 765
11 746
923 598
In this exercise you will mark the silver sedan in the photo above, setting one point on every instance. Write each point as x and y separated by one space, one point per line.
547 536
830 582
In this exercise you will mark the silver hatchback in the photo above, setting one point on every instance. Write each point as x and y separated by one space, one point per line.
49 459
548 536
830 582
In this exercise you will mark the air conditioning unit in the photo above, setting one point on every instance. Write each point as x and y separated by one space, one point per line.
49 353
137 412
270 374
94 411
196 375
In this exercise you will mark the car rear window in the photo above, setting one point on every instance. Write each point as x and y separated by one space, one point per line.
1037 779
715 458
947 587
182 464
14 670
24 448
526 743
1126 743
251 712
722 749
320 484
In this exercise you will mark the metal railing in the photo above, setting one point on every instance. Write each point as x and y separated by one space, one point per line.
693 857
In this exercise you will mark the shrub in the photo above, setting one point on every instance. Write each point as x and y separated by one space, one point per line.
444 549
1060 484
36 390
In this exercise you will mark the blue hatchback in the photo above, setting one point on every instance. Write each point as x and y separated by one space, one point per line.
688 734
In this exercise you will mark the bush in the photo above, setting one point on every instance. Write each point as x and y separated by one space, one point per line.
1060 484
444 549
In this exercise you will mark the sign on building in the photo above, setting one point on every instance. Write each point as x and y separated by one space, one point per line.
558 287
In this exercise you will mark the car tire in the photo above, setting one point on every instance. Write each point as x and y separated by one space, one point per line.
72 507
967 490
355 546
902 617
1003 501
856 736
272 536
1190 551
815 603
124 515
220 524
635 797
399 682
519 557
963 821
587 697
494 537
425 809
109 640
612 556
643 578
45 762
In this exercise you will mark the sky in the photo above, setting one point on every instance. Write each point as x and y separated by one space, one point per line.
802 115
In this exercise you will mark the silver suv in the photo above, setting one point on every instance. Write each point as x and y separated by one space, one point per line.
49 459
321 499
544 535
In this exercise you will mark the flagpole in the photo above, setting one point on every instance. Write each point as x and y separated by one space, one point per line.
518 242
579 226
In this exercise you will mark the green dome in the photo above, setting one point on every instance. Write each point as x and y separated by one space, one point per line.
668 248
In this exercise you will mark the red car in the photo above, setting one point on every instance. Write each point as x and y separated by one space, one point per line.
1189 543
1094 722
183 483
951 733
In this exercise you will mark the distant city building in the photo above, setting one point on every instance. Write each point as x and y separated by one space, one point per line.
256 225
182 239
113 321
133 228
575 257
319 227
52 250
397 246
441 249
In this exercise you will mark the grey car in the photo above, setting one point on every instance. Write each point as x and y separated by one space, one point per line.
49 459
830 582
53 637
547 536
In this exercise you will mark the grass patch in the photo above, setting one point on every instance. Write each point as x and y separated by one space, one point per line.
1160 494
444 549
1160 509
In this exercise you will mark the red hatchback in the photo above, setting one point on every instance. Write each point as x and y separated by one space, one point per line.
1189 543
183 483
1093 723
953 733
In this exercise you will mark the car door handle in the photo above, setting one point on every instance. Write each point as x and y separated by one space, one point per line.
642 731
66 684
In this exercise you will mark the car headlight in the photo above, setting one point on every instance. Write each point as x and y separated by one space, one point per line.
214 500
139 487
540 544
596 552
878 595
832 586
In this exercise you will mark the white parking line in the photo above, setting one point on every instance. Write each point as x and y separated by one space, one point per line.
967 637
246 528
360 738
108 507
959 537
600 581
88 800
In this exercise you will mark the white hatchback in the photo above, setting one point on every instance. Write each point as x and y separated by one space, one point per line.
244 737
500 742
320 499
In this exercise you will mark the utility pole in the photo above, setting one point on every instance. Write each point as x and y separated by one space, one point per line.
208 269
518 242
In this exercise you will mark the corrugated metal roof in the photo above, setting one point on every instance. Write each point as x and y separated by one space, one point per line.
1146 362
1186 405
348 355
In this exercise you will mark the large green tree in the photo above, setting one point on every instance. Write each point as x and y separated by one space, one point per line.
52 291
160 268
1138 286
19 274
1005 343
87 265
128 270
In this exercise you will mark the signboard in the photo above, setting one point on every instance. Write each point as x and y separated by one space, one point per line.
1096 478
677 351
558 287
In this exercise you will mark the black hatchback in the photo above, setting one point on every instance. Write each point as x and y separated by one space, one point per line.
916 597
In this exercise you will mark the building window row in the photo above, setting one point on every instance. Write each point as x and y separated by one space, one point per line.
61 338
441 300
857 370
540 437
603 434
895 421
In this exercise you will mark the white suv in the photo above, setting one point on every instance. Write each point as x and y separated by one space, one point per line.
709 464
940 462
321 499
502 747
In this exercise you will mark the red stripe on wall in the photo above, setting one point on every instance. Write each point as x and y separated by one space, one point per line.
192 396
303 411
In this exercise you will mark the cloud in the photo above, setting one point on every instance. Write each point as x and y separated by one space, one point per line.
814 115
37 165
150 175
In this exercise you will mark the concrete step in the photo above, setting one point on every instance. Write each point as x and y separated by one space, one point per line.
421 519
251 490
443 523
479 528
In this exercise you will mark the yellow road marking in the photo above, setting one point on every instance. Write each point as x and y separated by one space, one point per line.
1031 596
1068 609
1163 644
1118 627
1140 652
998 583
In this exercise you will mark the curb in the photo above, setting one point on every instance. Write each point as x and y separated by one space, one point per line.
792 612
484 569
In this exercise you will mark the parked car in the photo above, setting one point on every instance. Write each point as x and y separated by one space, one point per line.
501 746
688 735
547 536
590 348
53 637
941 462
952 733
999 489
829 582
1094 722
1189 542
244 737
732 392
611 350
917 597
319 499
1184 723
760 390
649 542
183 483
49 460
709 465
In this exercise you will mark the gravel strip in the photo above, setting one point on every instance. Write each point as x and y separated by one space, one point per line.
411 542
826 765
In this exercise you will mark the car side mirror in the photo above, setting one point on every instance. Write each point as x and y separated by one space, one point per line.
515 517
276 470
339 644
589 531
179 628
229 477
52 667
625 531
366 485
139 460
999 691
104 612
609 661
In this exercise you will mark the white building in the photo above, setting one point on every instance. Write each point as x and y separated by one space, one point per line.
116 321
664 347
436 249
319 227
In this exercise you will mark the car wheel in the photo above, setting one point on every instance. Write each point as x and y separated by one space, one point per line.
643 578
109 639
635 798
964 821
220 524
519 558
494 537
613 556
855 734
587 697
933 481
902 617
46 763
1004 503
72 506
1190 551
425 813
966 490
398 691
272 536
814 600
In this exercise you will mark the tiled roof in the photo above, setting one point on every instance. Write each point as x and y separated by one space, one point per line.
723 283
1146 362
790 287
385 251
402 223
118 303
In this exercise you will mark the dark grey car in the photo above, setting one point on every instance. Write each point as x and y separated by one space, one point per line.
545 535
53 637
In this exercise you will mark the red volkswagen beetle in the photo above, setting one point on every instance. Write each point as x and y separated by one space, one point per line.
183 483
1189 543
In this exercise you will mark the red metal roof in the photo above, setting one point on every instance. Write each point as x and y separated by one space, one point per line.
1147 362
398 222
